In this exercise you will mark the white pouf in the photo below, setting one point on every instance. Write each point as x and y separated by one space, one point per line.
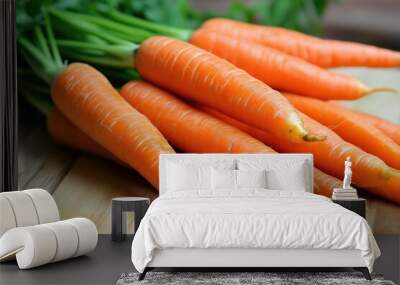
87 233
40 244
67 237
46 207
7 220
22 207
31 232
26 208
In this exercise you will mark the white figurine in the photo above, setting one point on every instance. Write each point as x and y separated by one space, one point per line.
347 174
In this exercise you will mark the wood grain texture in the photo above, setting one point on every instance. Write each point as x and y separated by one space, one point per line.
41 163
383 216
87 190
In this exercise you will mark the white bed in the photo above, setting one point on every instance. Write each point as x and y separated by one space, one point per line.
248 227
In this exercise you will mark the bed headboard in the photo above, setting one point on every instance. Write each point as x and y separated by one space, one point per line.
213 158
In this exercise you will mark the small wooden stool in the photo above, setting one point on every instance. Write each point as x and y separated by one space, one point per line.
138 205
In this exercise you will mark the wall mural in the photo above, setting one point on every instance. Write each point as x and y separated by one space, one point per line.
104 88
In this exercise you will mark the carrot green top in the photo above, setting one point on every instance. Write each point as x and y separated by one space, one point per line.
182 34
44 56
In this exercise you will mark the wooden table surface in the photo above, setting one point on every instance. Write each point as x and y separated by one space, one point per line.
83 185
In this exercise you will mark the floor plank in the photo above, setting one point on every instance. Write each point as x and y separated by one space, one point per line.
87 190
41 163
33 143
383 216
53 169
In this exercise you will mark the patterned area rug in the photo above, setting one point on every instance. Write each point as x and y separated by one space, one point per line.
231 278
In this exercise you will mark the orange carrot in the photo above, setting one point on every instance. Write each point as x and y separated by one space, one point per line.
324 53
369 172
390 129
349 127
198 75
280 70
324 183
88 100
187 128
65 133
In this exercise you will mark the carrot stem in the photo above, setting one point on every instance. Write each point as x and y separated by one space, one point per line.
182 34
120 51
45 61
120 56
52 42
125 32
43 66
83 26
95 59
41 41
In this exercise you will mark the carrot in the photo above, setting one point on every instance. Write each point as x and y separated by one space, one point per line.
87 99
90 102
277 69
187 128
349 127
194 74
369 172
324 183
65 133
390 129
324 53
198 75
280 70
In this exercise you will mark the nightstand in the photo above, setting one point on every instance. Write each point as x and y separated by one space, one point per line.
120 205
357 205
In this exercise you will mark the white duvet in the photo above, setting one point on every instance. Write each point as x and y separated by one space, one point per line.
250 219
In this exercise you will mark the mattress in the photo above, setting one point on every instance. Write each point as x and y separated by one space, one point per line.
250 219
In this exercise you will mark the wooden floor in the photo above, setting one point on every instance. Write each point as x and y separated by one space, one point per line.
83 185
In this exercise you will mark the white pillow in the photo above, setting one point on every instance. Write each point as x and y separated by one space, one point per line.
251 178
281 174
292 180
188 177
223 179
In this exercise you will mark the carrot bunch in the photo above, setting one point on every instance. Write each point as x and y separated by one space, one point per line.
277 56
195 74
215 90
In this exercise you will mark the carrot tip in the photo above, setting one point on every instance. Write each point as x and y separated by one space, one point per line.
313 137
381 89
